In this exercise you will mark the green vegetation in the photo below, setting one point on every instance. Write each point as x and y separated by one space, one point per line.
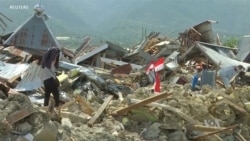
232 42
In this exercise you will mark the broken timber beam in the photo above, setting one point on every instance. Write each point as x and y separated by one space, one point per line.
172 109
68 104
212 133
100 111
18 115
144 102
204 128
84 105
240 109
65 105
11 80
241 138
186 52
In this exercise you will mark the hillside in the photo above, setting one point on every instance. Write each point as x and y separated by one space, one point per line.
122 21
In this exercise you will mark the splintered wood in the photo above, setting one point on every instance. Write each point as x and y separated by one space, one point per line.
85 106
144 102
169 108
100 111
18 115
212 133
204 128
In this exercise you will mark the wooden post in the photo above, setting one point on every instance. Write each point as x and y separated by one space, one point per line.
18 115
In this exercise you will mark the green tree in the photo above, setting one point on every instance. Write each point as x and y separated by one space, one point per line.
232 42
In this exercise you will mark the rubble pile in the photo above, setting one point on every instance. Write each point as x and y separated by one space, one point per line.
181 115
147 92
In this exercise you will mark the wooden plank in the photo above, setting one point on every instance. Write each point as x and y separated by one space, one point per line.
62 77
85 106
100 111
68 104
18 115
12 79
123 69
236 107
240 136
212 133
102 63
204 128
144 102
172 109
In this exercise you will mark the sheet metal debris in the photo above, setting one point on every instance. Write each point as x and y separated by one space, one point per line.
90 53
244 49
31 79
8 71
218 59
120 94
119 63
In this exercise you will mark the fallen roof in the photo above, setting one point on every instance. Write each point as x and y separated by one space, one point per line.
223 50
206 31
91 53
34 34
217 58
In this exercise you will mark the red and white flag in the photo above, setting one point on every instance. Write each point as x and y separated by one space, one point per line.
159 64
150 67
155 67
157 84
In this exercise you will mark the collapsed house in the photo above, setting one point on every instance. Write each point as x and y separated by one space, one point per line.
106 92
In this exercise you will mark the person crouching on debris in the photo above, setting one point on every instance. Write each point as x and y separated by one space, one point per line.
228 74
50 63
195 80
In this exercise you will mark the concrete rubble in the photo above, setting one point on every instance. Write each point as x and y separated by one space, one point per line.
106 93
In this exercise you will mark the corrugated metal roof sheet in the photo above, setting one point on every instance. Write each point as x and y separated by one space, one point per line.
206 31
225 51
34 33
91 53
8 71
31 79
107 60
217 58
244 49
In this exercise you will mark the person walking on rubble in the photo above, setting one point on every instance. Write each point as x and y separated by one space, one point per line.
50 63
228 74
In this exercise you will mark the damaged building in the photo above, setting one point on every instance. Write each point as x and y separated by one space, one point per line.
106 92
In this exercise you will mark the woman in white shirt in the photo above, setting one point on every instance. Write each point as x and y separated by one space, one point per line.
50 63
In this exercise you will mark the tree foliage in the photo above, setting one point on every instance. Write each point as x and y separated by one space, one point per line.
232 42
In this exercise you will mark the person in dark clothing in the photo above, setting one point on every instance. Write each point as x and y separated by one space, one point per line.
50 63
